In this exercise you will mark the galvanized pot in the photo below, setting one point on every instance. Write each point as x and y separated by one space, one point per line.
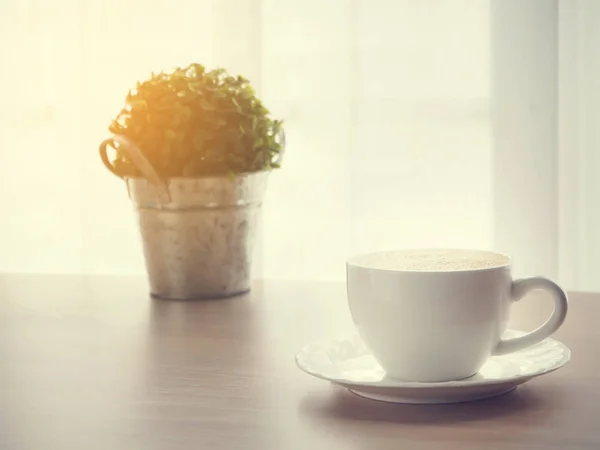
197 233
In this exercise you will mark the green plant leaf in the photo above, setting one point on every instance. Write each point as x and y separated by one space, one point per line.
195 122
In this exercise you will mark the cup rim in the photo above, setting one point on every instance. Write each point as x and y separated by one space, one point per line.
354 261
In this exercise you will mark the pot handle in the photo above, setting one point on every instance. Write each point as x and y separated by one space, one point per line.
279 156
104 157
135 155
137 158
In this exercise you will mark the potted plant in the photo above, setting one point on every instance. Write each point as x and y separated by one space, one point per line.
195 148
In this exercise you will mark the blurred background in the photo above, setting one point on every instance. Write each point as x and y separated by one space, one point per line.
410 123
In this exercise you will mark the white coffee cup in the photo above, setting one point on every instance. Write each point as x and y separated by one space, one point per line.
438 314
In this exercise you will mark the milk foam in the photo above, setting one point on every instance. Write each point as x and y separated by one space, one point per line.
431 260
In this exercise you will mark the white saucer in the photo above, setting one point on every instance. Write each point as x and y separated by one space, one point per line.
347 362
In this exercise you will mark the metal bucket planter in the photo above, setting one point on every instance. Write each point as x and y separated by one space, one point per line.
197 233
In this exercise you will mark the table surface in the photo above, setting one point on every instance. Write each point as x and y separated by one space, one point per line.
93 363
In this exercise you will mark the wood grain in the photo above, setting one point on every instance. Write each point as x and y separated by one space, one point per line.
93 363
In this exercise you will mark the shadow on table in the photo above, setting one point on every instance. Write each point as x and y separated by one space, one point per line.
342 404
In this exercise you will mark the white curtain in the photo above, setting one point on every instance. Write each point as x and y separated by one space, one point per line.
410 123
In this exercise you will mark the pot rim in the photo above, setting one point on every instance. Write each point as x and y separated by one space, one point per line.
208 177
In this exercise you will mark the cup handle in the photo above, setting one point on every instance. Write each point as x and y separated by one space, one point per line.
518 290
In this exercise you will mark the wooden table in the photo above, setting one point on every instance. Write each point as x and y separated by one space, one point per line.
93 363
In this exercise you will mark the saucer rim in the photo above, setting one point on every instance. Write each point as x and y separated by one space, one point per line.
464 383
